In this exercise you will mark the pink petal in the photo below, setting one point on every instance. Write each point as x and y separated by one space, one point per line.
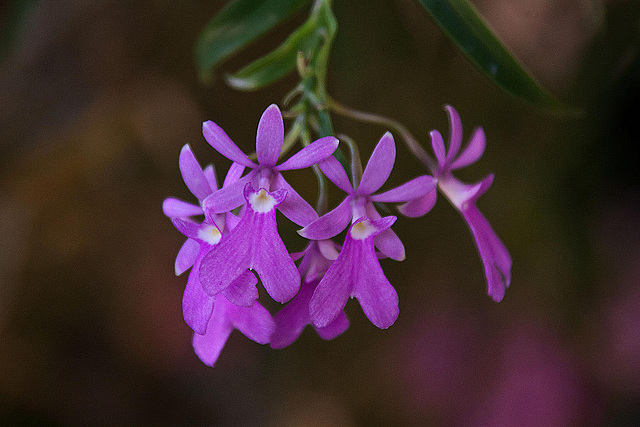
192 174
472 152
294 206
313 153
455 126
254 322
413 189
270 136
196 305
233 174
329 224
229 197
186 256
438 148
332 293
387 241
335 328
333 170
292 319
242 291
186 227
210 175
379 166
208 346
219 140
177 208
419 206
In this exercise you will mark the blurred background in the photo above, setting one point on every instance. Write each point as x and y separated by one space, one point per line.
96 100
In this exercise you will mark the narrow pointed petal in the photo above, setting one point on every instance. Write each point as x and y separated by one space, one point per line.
219 140
270 136
210 175
292 319
335 328
329 224
379 166
242 291
186 256
186 227
455 126
254 322
413 189
472 152
333 170
294 206
229 197
196 305
233 174
437 143
208 346
333 291
419 206
192 174
387 241
311 154
174 208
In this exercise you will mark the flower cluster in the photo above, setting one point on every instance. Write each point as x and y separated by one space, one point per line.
232 236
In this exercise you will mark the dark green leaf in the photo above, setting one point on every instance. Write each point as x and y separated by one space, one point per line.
236 25
320 26
462 23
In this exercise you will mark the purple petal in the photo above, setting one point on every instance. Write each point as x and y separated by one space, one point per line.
387 241
229 197
333 291
292 319
210 175
455 126
294 206
437 144
219 140
472 152
243 291
461 194
333 170
311 154
254 322
233 174
196 305
335 328
379 166
186 256
329 224
192 174
186 227
270 136
413 189
174 208
419 206
208 346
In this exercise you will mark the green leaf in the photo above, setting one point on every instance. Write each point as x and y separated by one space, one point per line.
320 26
460 20
236 25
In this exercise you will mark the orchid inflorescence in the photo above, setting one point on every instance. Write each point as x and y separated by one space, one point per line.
232 235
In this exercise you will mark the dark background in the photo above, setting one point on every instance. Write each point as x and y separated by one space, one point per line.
98 97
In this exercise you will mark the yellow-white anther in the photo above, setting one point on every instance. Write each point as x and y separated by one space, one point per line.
210 234
262 201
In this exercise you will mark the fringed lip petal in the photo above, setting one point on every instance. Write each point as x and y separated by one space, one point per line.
332 293
270 136
455 126
219 140
310 155
410 190
379 166
420 206
472 152
294 206
333 170
186 256
229 197
174 208
329 224
192 174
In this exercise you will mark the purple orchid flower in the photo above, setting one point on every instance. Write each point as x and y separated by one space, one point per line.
266 174
294 317
359 201
495 256
356 273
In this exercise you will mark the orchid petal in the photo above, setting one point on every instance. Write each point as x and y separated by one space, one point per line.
420 206
335 328
333 291
219 140
231 220
386 241
311 154
229 197
270 136
210 175
294 206
437 144
455 138
242 291
472 152
333 170
196 304
208 346
233 174
410 190
254 322
379 166
329 224
192 174
292 319
186 227
174 208
186 256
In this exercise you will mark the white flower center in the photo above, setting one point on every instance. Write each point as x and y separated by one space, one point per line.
210 234
262 202
362 230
